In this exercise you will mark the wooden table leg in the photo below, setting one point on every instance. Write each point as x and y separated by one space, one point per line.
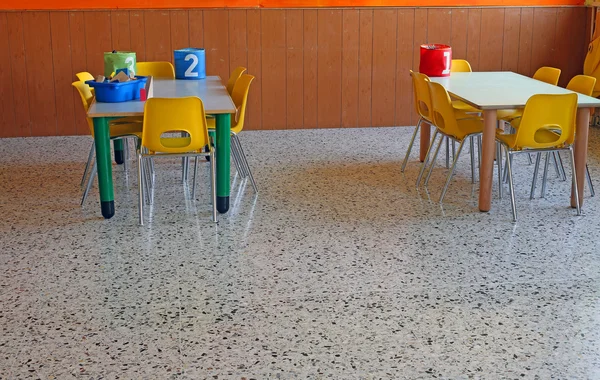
425 140
486 171
581 144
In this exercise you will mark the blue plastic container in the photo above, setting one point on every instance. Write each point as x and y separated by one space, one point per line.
190 63
116 92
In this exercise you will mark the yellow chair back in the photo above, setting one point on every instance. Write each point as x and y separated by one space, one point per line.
86 96
460 66
547 74
158 69
235 75
240 99
84 75
582 84
442 111
422 96
548 121
162 115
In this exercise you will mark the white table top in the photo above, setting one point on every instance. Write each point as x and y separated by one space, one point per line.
213 93
502 90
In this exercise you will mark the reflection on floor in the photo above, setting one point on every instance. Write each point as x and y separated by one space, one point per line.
339 268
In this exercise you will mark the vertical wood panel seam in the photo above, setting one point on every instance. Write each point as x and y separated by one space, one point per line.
503 36
26 75
53 78
303 75
286 69
395 71
358 74
519 49
70 48
262 121
317 88
372 65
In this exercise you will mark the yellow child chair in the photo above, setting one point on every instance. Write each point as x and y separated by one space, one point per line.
422 99
235 75
460 66
166 115
119 129
547 124
239 96
582 84
450 126
85 76
546 74
158 69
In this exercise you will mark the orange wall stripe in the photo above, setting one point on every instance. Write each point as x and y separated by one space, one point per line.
164 4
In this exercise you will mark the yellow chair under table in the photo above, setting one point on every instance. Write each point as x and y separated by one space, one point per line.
547 124
157 69
444 117
165 118
582 84
119 129
239 96
233 78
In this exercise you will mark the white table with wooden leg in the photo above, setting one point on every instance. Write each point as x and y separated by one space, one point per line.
492 91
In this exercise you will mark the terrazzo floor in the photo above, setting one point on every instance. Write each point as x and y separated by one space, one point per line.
338 269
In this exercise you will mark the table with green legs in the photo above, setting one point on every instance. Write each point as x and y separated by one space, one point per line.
217 102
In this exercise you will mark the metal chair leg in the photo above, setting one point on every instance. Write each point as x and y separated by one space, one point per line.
545 176
472 148
479 149
435 155
194 179
589 180
89 183
141 189
572 156
410 145
460 147
536 172
424 164
87 164
510 184
236 140
213 185
555 162
499 164
447 152
125 154
238 161
561 166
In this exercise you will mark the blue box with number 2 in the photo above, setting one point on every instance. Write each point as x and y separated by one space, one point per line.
190 63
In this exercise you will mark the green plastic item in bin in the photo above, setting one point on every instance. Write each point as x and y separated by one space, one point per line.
119 60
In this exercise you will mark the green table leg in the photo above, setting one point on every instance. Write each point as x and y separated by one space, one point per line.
119 155
105 182
223 147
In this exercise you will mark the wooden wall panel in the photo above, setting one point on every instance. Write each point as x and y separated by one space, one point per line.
474 37
158 42
63 73
314 68
40 75
97 40
274 57
439 26
365 68
19 75
7 112
216 42
329 68
458 40
295 73
525 37
510 43
79 63
254 111
350 43
180 31
120 31
544 31
492 28
238 41
404 62
137 33
310 68
385 31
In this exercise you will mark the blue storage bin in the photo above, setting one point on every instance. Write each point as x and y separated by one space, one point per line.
116 92
190 63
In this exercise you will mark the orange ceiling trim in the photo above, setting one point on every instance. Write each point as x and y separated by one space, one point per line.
171 4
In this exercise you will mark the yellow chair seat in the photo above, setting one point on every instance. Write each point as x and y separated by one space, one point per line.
508 115
467 127
542 136
211 122
134 129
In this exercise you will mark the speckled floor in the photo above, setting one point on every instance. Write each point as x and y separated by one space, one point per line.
338 269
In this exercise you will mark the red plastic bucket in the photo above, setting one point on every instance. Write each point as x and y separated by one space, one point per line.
435 60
